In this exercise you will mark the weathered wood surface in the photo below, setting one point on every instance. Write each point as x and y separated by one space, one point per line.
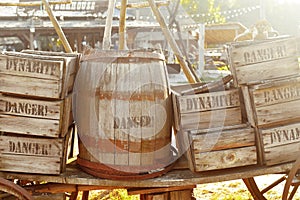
131 125
42 76
281 143
273 103
35 117
221 149
212 109
173 178
32 154
271 59
223 159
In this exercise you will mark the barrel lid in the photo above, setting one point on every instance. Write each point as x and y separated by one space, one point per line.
104 54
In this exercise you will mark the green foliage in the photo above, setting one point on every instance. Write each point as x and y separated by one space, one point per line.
209 10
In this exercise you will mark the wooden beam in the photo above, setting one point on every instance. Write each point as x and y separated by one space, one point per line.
33 3
144 4
108 25
57 27
122 27
185 68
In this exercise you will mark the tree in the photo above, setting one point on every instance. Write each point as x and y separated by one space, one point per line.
205 11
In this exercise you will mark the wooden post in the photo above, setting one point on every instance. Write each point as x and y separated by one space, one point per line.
108 25
185 68
122 27
57 27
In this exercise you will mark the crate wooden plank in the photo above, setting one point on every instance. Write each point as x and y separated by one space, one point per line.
209 101
248 74
225 159
253 53
274 102
219 148
37 75
211 119
277 114
32 154
222 139
270 59
35 117
281 143
208 110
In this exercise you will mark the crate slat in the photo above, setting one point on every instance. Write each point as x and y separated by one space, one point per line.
35 117
41 76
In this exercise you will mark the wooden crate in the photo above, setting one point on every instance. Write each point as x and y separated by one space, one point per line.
31 154
45 76
207 110
219 149
273 103
254 62
281 144
35 117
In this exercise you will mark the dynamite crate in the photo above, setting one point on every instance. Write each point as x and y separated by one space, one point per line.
35 75
219 148
273 110
252 62
34 116
32 154
212 127
216 107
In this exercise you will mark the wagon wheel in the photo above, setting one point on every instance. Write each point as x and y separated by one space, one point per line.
290 181
13 189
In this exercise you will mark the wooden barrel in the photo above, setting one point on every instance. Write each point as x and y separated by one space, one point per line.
123 113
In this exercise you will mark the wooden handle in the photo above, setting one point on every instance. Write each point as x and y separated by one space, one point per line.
185 68
57 27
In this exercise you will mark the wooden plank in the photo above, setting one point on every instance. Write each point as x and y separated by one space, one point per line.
192 78
10 105
27 86
16 145
251 117
45 76
38 155
34 164
277 114
263 51
136 191
220 140
281 143
182 195
267 70
57 27
61 196
209 101
35 117
211 119
225 159
31 67
272 59
276 92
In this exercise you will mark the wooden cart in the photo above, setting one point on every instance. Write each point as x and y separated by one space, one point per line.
176 184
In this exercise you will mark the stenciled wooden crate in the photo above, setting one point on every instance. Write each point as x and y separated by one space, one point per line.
281 144
50 118
273 103
252 62
45 76
207 110
31 154
216 149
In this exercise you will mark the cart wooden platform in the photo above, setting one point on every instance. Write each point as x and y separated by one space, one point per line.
179 181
